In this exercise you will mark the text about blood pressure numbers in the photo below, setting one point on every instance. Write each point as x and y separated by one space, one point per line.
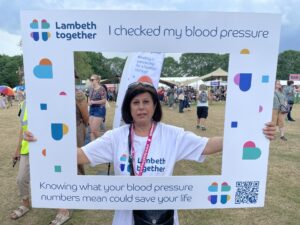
186 32
112 193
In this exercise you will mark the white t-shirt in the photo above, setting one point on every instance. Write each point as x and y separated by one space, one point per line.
169 145
202 103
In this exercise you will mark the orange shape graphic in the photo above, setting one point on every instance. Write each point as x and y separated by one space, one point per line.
44 152
245 51
45 61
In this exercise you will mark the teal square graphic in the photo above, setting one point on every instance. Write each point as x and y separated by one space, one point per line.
57 169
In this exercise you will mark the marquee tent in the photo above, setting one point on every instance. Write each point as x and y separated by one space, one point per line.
218 74
181 81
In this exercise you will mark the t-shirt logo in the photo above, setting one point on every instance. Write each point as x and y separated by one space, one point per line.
123 160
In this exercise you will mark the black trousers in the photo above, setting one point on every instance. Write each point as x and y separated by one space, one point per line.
289 117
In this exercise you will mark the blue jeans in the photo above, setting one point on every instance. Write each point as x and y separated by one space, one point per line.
98 111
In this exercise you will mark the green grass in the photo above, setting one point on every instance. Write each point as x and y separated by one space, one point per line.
282 205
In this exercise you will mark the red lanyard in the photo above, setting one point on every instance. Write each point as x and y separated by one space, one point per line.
146 151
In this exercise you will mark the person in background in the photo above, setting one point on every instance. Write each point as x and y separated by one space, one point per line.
202 106
102 125
297 93
180 94
289 95
2 101
277 115
171 97
23 178
97 100
186 101
9 101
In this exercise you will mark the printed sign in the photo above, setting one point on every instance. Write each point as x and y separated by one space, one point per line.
294 77
50 39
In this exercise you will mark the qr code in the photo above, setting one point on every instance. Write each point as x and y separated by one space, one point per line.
246 192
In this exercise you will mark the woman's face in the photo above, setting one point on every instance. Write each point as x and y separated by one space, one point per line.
93 81
142 109
278 85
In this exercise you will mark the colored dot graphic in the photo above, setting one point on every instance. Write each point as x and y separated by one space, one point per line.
250 151
58 130
245 51
243 80
43 106
57 169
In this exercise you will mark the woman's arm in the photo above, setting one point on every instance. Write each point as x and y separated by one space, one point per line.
81 157
18 149
215 144
101 102
82 106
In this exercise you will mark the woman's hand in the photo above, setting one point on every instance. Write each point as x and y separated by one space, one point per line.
28 136
270 131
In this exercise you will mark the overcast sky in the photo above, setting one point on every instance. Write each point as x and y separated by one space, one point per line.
290 9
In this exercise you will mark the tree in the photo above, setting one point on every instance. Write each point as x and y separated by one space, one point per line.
288 63
98 64
116 66
171 68
8 70
199 64
82 65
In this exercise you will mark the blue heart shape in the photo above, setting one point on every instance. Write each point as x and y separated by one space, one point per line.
43 71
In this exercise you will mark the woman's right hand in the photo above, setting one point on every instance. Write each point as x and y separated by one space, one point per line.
28 136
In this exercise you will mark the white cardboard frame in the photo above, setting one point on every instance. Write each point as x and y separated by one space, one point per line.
248 109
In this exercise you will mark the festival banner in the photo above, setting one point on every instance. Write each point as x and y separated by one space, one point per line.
138 67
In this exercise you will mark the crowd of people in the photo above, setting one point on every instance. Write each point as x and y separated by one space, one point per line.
143 129
6 101
173 94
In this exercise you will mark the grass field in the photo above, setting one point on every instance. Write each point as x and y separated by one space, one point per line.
282 206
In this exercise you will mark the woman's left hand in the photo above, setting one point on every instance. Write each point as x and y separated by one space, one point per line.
270 131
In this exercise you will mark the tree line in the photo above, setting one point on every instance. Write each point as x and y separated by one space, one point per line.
188 64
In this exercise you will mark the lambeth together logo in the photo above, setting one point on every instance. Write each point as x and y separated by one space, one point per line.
44 26
214 188
123 162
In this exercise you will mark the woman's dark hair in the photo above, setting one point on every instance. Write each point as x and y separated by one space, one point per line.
106 90
290 82
131 92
